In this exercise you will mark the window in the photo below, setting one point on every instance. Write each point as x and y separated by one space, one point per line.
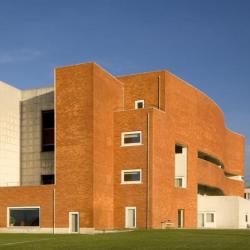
48 130
180 218
47 179
24 217
179 182
132 176
131 138
246 218
139 104
207 219
210 218
247 196
130 217
178 149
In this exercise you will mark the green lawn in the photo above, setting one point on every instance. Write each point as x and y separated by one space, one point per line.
139 240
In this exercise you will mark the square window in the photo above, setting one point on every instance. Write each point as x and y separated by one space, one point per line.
178 149
139 104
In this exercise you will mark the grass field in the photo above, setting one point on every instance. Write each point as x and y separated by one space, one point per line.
137 240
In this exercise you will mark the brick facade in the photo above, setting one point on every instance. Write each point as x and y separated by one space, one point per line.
92 109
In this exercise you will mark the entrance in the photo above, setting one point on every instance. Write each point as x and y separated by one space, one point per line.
74 222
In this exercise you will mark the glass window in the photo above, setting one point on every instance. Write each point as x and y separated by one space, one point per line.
24 217
131 176
131 138
47 179
139 104
48 130
210 217
178 149
179 182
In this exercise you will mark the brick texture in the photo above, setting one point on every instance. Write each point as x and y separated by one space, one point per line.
92 109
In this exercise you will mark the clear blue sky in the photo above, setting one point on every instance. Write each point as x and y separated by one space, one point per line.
206 42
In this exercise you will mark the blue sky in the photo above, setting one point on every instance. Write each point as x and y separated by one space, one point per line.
207 43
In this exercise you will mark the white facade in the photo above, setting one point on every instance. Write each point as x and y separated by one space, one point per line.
9 135
229 211
247 193
181 166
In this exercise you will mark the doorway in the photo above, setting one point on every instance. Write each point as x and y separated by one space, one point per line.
130 217
74 222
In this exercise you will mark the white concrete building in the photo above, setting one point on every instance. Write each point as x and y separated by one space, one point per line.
9 135
21 160
223 212
247 193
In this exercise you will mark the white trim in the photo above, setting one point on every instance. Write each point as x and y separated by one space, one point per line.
70 222
130 144
131 182
8 215
126 211
139 101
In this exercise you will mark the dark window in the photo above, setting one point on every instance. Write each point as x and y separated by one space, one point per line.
132 138
24 217
210 158
47 179
48 130
246 218
140 105
132 176
178 149
210 217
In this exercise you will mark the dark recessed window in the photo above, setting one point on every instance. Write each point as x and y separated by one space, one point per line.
178 149
48 130
139 104
213 160
21 217
47 179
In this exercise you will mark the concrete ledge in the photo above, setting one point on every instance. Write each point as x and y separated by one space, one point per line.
56 231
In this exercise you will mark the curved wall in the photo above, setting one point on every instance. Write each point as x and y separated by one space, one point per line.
199 122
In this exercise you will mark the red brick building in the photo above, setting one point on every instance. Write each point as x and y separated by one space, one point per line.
129 152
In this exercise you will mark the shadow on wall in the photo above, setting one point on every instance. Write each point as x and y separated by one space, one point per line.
210 191
35 162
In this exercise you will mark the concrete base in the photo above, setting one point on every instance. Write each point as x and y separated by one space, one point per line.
56 230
